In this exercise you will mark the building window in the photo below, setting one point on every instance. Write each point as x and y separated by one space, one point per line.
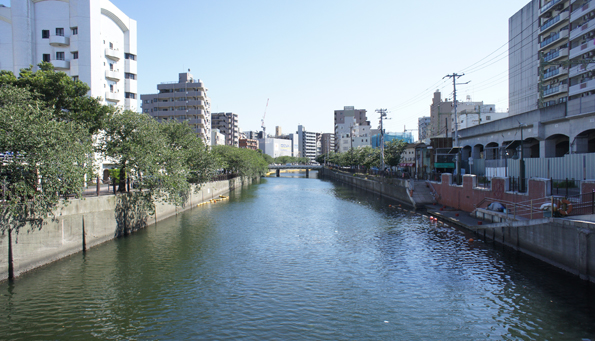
111 67
488 118
59 55
146 111
111 88
60 31
46 57
130 56
111 45
75 31
75 78
75 55
45 34
130 95
130 75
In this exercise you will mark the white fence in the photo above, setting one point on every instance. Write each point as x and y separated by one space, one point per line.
573 166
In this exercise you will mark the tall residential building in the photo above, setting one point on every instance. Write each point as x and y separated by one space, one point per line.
90 40
227 123
327 143
306 143
248 144
423 126
347 123
554 31
185 100
278 131
554 64
523 59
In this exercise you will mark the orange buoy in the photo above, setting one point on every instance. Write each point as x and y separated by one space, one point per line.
565 207
470 240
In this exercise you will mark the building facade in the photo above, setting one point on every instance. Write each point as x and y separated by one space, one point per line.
276 147
423 126
346 121
248 144
327 143
185 100
227 123
551 55
90 40
217 139
306 143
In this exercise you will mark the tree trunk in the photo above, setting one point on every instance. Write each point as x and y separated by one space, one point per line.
122 182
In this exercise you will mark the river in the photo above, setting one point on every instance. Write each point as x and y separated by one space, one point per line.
298 259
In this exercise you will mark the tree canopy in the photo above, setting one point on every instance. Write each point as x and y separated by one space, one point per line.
66 98
44 159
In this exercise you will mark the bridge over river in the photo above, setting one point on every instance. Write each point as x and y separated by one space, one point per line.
278 168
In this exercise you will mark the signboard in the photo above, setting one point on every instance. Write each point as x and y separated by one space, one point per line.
444 165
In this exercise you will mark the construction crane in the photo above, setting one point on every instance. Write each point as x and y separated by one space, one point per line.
264 129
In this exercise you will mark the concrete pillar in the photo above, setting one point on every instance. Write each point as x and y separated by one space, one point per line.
549 148
582 262
278 172
476 152
307 173
581 145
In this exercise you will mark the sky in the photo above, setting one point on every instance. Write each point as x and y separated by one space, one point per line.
308 58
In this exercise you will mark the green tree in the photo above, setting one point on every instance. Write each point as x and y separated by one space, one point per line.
393 151
66 98
44 160
244 162
369 157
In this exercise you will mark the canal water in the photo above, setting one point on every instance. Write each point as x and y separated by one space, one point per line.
298 259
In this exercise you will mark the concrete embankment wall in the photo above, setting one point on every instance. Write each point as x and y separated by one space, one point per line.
567 244
63 236
396 189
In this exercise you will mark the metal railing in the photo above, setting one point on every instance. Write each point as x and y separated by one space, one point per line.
573 205
566 187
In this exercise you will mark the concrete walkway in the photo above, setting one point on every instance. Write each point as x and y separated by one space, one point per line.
422 195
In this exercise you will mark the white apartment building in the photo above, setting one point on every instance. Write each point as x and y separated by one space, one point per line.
185 100
306 143
227 123
90 40
217 139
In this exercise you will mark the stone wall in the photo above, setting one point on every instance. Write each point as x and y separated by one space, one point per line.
63 236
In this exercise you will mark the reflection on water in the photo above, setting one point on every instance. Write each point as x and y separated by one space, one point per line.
298 259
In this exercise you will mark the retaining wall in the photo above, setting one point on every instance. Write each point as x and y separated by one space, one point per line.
567 244
466 196
63 236
396 189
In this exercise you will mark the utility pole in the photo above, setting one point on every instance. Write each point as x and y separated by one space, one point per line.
454 77
382 113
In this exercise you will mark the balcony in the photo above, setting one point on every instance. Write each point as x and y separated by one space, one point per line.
556 37
548 6
582 49
112 96
555 90
553 22
554 72
579 69
581 30
113 54
114 75
59 41
580 12
582 87
551 56
61 64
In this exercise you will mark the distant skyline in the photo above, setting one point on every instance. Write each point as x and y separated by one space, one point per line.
309 58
